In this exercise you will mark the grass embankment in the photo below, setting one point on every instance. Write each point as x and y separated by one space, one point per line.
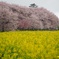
29 45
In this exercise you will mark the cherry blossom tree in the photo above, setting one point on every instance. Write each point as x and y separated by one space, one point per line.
14 17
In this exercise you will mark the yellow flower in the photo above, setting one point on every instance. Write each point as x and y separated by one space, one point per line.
19 58
15 54
9 51
14 50
29 43
57 56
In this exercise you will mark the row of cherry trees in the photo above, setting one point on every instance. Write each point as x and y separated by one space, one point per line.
14 17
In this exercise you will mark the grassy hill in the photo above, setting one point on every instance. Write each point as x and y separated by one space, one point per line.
29 45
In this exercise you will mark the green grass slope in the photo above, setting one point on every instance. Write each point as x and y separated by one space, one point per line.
29 45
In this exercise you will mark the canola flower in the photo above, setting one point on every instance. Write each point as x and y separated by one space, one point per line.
29 45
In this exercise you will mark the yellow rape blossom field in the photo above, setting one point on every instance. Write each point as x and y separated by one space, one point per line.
29 45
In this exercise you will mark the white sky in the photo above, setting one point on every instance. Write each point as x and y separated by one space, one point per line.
52 5
57 14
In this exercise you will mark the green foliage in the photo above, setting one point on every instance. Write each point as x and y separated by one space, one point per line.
33 5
